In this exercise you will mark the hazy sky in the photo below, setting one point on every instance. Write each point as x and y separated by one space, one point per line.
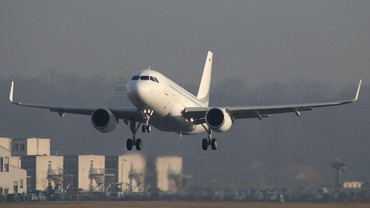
254 40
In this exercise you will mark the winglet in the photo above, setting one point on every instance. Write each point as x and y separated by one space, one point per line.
358 91
11 93
356 96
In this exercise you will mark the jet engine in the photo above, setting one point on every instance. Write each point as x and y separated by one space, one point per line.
218 120
103 120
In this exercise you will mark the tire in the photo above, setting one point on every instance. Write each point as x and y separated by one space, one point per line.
205 144
129 144
139 144
148 128
143 128
214 144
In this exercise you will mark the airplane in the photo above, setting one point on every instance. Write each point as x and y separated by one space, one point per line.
162 103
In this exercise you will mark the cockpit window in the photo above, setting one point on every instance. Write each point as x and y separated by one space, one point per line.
144 78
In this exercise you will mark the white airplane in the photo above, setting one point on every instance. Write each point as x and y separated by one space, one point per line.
165 105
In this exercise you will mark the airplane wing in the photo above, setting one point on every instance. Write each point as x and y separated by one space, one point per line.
197 114
119 113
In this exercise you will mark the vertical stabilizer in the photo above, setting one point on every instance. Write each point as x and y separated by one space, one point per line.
205 83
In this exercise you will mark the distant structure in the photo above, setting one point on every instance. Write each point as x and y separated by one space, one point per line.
125 173
131 177
339 167
43 172
30 146
27 166
13 179
33 154
84 172
169 173
352 184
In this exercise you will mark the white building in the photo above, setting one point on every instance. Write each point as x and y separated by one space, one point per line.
43 171
125 172
84 172
352 184
169 173
6 143
131 171
30 146
12 177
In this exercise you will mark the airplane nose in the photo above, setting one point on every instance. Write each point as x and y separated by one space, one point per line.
142 89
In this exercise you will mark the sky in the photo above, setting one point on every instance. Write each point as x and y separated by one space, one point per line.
257 41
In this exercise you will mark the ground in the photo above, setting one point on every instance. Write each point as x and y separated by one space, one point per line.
177 204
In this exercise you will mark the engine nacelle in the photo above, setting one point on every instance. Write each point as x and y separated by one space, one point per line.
103 120
218 120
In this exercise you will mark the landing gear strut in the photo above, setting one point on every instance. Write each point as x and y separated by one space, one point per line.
147 114
209 141
146 128
131 142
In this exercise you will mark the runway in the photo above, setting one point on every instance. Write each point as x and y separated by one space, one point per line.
177 204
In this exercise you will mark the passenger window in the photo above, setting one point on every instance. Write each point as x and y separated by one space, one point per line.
135 78
144 78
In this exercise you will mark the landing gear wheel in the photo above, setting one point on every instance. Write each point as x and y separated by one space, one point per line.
139 144
143 128
205 144
129 144
214 144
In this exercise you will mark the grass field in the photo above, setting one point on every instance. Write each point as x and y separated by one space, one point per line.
177 204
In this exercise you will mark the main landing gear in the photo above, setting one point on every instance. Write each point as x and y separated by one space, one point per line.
131 142
209 141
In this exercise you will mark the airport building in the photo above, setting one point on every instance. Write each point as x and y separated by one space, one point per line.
26 165
12 177
30 146
169 173
125 173
84 173
131 172
43 172
33 156
353 185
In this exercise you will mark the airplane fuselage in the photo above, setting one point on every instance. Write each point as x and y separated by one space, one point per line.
149 89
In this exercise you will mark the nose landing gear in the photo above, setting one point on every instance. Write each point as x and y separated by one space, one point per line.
147 114
136 142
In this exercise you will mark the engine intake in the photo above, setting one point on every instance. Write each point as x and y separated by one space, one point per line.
103 120
218 120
